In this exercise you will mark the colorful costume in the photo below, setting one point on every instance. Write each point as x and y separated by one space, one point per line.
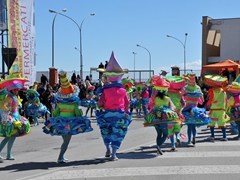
128 84
233 106
218 101
12 125
67 118
115 119
89 101
33 106
137 100
145 99
176 95
194 116
162 110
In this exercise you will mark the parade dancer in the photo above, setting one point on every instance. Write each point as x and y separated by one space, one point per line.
175 92
115 118
194 116
67 119
162 111
145 99
218 102
33 106
233 106
128 84
12 125
137 103
89 102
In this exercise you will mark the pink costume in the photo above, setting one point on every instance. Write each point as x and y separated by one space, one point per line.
114 119
114 98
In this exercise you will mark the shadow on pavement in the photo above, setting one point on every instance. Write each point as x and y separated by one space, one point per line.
138 155
27 166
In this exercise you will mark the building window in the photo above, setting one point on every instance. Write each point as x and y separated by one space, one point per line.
214 42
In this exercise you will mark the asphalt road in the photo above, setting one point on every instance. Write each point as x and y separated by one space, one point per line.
36 155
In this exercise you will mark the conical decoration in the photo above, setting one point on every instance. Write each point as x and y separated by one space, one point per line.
113 65
114 72
67 90
66 86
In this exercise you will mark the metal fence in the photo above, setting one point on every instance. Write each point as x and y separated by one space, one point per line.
138 75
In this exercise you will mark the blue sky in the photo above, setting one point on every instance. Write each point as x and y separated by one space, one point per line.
118 25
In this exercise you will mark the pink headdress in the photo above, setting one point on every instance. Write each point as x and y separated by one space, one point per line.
176 82
114 72
159 83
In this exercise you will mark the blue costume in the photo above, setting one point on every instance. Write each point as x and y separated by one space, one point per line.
114 119
67 118
34 107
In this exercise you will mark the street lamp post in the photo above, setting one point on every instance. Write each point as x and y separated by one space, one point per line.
81 57
149 59
184 49
77 49
64 10
134 53
80 31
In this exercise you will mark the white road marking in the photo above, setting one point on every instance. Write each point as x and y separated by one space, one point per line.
142 171
201 154
218 143
61 168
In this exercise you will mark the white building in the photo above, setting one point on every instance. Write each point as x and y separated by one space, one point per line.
220 40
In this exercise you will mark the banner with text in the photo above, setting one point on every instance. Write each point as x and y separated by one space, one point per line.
21 29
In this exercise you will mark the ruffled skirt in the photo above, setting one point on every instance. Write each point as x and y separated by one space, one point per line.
60 126
161 115
91 103
134 103
195 115
38 111
12 127
113 125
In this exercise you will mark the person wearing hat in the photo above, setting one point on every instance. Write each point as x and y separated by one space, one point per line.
162 111
138 103
233 106
175 92
89 102
194 116
145 99
67 119
33 106
218 101
12 124
115 118
128 84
